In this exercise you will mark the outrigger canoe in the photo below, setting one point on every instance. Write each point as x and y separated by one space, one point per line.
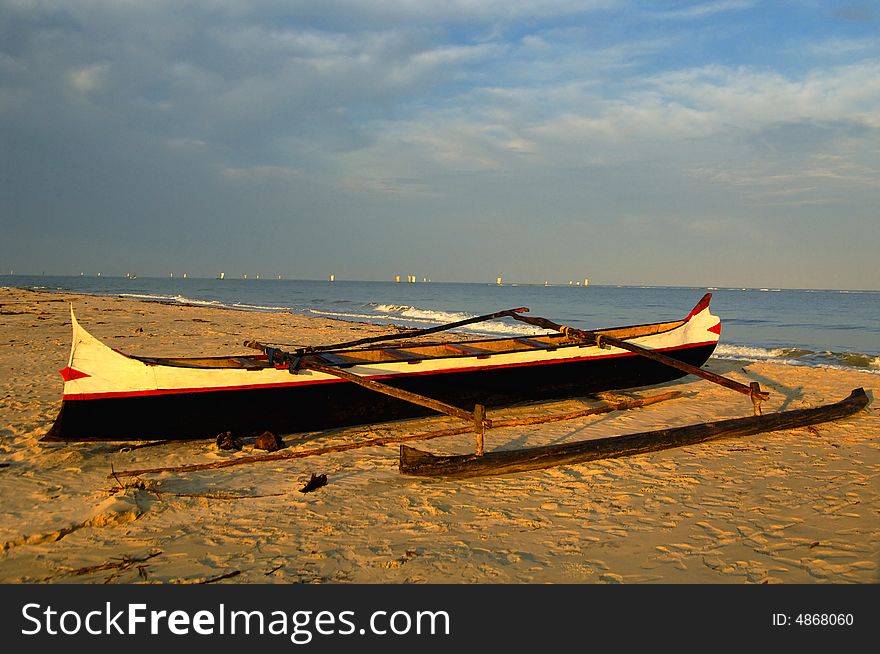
109 395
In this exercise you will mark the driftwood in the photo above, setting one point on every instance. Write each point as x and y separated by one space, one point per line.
124 562
228 575
137 484
138 446
614 405
220 495
417 462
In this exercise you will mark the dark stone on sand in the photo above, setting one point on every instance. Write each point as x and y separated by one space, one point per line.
226 441
269 442
314 483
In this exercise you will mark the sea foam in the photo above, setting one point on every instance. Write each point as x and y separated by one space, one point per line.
435 317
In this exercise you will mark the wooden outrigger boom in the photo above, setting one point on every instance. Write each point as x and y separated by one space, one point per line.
477 417
417 462
602 340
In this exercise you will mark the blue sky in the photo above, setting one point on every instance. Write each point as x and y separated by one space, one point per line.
724 142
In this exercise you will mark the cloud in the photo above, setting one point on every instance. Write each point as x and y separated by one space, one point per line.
707 9
87 79
838 48
857 12
742 107
757 96
543 116
263 173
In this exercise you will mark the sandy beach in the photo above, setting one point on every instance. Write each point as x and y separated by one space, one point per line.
798 506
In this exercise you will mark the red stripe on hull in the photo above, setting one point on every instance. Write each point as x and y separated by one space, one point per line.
701 305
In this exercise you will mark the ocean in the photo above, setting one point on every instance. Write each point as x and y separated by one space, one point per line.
832 328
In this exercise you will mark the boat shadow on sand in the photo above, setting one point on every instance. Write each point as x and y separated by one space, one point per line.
726 367
522 440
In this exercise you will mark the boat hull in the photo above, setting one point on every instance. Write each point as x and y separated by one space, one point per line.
303 408
109 395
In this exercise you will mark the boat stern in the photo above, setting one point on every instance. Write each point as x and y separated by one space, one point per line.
93 371
93 368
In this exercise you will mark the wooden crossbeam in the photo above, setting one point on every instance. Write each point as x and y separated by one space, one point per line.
461 348
248 364
401 355
531 342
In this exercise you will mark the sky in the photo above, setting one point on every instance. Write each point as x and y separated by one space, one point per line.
698 143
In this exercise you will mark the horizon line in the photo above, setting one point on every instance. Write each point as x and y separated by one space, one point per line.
547 284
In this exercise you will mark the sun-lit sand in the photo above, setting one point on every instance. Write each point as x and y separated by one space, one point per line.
799 506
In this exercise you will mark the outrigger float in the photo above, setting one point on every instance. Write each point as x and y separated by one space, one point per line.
417 462
109 395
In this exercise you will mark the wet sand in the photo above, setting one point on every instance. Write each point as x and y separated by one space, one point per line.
797 506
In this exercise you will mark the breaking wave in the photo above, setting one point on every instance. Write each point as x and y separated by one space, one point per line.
435 317
752 353
799 356
174 298
259 307
341 314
